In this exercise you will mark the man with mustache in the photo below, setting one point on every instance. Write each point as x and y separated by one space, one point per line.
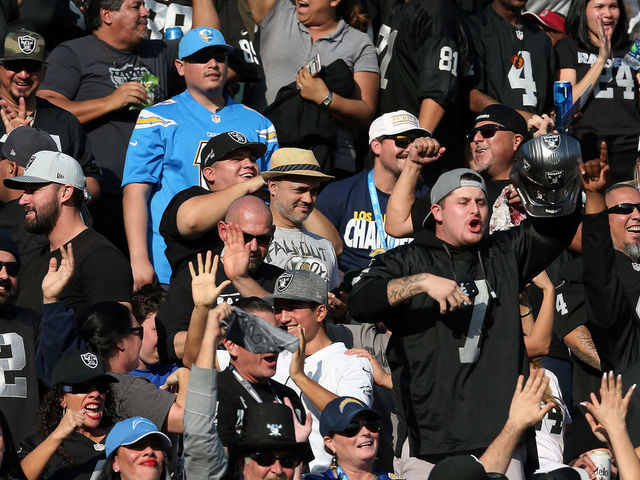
165 150
294 180
357 205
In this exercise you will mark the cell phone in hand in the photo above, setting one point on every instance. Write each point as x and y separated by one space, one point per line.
469 289
314 65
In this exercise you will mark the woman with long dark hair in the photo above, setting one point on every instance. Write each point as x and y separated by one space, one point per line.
592 57
75 416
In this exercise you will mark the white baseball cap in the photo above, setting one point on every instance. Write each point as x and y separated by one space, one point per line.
49 167
393 123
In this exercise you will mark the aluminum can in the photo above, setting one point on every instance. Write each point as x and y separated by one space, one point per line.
562 100
602 460
173 33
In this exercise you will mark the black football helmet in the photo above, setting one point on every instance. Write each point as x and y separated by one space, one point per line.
546 175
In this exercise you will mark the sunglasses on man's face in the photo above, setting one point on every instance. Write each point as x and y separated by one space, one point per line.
204 56
12 268
263 240
624 208
354 427
31 66
84 388
487 131
401 141
266 459
139 331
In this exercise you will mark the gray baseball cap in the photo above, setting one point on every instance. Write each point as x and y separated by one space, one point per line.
49 167
301 285
450 181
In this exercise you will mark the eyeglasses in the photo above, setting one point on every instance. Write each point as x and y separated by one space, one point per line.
487 131
205 55
12 268
266 459
139 331
263 240
621 209
86 388
354 427
401 141
31 66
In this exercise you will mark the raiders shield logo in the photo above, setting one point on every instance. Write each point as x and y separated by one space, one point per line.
551 140
238 137
89 359
284 281
27 44
554 177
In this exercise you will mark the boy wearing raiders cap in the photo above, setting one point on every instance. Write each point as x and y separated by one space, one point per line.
300 302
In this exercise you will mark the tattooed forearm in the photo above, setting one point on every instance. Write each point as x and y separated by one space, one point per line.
403 288
581 344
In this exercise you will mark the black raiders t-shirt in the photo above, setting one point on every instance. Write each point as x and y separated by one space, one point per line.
496 42
87 68
611 112
423 53
19 395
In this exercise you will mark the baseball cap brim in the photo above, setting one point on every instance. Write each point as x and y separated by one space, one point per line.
345 419
534 17
166 442
257 148
85 377
285 296
17 183
421 132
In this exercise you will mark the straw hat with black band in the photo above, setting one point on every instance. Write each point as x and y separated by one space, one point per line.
294 162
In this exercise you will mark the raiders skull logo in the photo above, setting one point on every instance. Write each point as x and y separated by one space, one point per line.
238 137
551 140
554 177
27 44
89 359
274 429
284 281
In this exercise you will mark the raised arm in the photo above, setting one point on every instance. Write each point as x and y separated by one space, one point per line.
538 333
202 213
422 151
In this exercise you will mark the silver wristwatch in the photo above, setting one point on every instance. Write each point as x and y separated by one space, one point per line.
327 100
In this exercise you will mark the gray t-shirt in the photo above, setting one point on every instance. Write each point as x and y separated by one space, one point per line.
286 47
138 396
86 68
299 249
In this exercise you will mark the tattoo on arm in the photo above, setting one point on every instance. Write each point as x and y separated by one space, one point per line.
581 344
400 289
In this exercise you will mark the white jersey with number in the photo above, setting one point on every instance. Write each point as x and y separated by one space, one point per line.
550 431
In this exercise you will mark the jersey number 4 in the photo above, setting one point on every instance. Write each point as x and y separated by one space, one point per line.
12 343
470 352
522 79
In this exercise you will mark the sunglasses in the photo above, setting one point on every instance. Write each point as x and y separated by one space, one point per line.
263 240
487 131
401 141
266 459
31 66
204 56
139 331
621 209
354 427
86 388
12 268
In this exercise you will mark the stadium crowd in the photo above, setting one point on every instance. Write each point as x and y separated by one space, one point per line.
322 239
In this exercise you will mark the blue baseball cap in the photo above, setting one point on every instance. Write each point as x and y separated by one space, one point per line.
199 38
339 412
129 431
